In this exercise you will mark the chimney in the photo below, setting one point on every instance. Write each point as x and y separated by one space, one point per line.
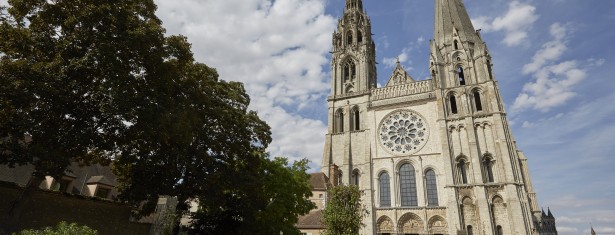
334 175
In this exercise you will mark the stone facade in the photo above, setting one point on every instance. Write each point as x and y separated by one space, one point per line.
434 156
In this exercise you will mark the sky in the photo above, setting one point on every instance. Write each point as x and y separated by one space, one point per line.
551 60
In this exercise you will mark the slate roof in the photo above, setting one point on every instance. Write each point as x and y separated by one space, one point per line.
80 174
311 221
318 181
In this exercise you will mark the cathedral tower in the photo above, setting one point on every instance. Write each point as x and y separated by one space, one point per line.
354 52
433 156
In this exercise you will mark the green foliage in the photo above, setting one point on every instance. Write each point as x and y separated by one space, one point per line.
268 202
344 212
99 82
62 228
73 73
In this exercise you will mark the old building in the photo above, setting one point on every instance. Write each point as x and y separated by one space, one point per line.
433 156
311 223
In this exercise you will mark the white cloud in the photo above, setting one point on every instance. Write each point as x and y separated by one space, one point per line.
554 81
403 57
420 40
277 48
550 51
593 62
519 18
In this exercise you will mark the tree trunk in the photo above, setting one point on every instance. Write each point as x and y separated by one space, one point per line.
10 220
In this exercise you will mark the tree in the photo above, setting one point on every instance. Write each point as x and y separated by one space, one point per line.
73 74
98 82
271 204
62 228
344 212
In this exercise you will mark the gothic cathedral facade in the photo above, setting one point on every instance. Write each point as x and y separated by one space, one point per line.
432 156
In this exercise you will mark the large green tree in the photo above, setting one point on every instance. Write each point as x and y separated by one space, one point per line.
268 203
73 74
98 82
344 212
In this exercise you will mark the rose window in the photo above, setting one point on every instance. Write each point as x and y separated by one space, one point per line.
403 132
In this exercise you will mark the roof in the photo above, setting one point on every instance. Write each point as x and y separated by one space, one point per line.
94 173
18 175
313 220
99 179
318 181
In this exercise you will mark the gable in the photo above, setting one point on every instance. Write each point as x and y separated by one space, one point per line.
399 76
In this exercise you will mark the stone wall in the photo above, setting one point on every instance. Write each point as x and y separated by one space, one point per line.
47 208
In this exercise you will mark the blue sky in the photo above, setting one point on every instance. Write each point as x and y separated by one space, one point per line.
551 59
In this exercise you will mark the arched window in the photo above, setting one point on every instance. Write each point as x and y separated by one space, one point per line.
339 121
469 229
349 38
356 124
340 176
359 37
461 76
355 177
488 169
463 171
350 70
456 45
477 102
432 189
407 185
385 190
453 101
498 230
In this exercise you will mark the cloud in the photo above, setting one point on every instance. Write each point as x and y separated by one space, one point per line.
593 62
554 81
276 48
519 18
550 51
403 58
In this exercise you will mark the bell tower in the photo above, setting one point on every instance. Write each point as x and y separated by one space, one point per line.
353 64
459 57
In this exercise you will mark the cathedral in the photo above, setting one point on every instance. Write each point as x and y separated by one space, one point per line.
432 156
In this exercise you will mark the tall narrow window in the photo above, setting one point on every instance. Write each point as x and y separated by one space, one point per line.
432 190
499 230
349 38
488 169
350 70
355 120
339 122
461 76
456 45
463 171
355 177
477 103
385 190
453 102
489 70
470 231
359 37
407 181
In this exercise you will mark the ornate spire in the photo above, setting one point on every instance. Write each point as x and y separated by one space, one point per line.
451 15
354 5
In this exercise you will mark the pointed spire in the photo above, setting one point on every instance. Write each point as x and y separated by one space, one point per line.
543 212
549 212
451 15
354 5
